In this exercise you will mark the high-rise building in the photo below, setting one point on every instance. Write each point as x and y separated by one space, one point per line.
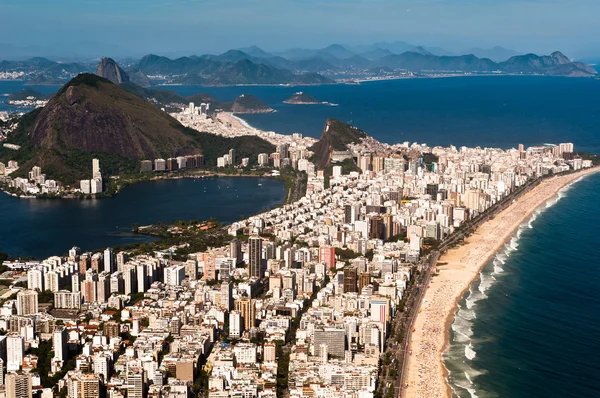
109 260
67 300
235 250
27 302
255 256
247 309
103 287
122 258
232 156
235 324
226 295
334 339
363 280
83 385
136 385
14 352
174 275
210 267
376 227
350 279
327 256
112 329
35 279
142 278
59 343
18 385
96 169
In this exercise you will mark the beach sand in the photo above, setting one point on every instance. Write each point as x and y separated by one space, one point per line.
426 375
230 118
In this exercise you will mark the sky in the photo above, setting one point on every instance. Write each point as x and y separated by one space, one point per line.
186 27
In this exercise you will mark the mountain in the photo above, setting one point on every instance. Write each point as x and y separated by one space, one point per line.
335 137
496 54
313 64
110 70
311 79
555 64
376 54
138 77
247 103
159 97
420 50
222 70
92 117
337 51
420 62
255 51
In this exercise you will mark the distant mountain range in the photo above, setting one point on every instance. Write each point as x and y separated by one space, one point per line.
255 66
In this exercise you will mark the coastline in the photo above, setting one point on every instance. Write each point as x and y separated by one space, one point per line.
426 374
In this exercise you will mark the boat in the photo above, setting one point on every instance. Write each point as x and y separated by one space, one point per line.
259 184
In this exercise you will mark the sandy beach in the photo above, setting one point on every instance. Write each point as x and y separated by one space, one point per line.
426 375
234 121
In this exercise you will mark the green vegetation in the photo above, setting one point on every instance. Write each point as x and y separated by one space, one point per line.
45 354
63 137
47 296
336 136
346 254
301 98
595 158
247 103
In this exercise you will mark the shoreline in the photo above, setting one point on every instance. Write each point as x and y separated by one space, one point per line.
426 374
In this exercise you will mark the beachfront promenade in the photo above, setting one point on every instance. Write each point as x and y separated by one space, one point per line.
426 374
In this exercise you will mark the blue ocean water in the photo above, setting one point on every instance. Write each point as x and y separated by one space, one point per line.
493 111
530 327
42 228
8 87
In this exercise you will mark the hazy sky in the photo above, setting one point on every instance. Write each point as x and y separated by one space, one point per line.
198 26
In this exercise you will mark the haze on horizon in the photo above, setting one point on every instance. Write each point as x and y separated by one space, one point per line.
119 28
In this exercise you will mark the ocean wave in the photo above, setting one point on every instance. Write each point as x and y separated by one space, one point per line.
486 282
470 352
462 349
462 330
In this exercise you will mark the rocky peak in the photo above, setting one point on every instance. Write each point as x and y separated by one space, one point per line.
110 70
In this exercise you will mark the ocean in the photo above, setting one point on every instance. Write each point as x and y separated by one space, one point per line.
530 326
492 111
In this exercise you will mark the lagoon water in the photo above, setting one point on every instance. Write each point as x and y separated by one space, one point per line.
41 228
529 328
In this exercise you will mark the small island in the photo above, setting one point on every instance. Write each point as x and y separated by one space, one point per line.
301 98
